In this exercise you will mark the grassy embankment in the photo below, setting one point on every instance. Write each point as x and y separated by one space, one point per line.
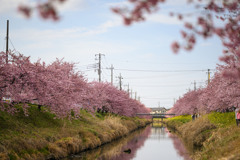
40 136
212 136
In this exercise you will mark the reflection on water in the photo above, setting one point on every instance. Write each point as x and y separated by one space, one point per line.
161 144
158 131
178 145
152 142
115 150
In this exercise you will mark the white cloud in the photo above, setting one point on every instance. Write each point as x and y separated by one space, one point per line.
184 2
72 5
104 27
58 42
205 44
118 4
10 6
49 34
69 33
163 19
128 4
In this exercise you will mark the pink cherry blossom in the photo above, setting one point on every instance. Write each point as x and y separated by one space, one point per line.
59 88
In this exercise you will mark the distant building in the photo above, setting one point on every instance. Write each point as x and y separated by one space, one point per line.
7 99
158 110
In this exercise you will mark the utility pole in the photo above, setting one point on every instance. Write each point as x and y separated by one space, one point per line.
131 93
99 65
209 76
195 88
135 95
128 90
7 37
111 74
120 81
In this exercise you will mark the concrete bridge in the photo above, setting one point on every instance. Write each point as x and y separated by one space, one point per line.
156 115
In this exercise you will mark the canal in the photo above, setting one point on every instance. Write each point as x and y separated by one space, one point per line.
151 143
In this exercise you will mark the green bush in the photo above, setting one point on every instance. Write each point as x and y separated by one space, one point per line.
222 119
180 120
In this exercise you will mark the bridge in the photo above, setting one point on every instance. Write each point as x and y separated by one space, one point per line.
155 115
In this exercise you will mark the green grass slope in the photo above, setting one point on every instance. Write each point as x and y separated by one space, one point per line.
212 136
41 136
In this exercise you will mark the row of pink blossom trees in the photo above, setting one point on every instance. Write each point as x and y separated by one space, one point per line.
222 94
219 18
59 88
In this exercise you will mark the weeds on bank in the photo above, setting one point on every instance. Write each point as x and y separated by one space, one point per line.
175 122
211 136
181 119
222 119
224 143
39 135
196 132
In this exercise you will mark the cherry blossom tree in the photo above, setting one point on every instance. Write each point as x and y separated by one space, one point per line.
222 94
56 86
188 104
106 97
46 9
222 18
59 88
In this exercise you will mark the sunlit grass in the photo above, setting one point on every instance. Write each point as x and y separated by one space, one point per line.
177 121
182 118
40 135
222 119
211 136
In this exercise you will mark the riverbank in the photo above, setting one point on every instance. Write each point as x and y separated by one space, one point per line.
211 136
40 136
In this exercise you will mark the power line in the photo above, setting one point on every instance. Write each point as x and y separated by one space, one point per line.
157 98
12 44
92 65
159 85
136 70
161 63
107 64
164 75
87 70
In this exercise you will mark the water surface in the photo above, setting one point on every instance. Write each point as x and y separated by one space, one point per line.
154 142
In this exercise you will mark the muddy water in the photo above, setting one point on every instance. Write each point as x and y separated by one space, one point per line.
154 142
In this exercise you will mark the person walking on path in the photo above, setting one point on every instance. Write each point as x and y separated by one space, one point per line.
237 115
194 116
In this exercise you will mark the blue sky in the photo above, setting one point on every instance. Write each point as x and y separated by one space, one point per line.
88 27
